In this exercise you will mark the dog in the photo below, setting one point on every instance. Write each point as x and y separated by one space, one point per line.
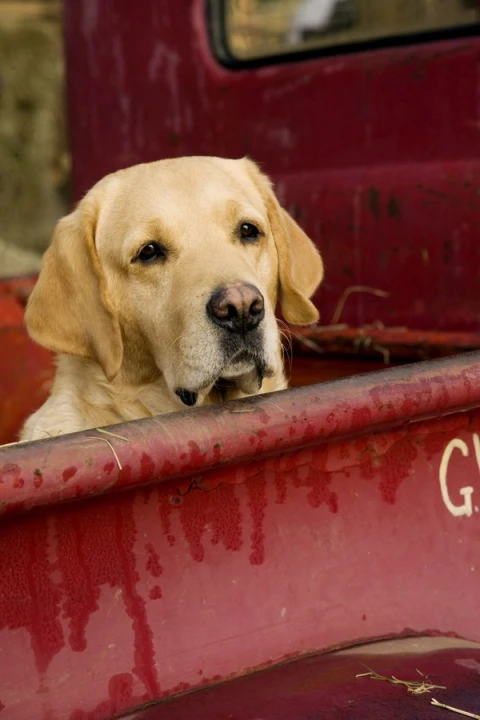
158 292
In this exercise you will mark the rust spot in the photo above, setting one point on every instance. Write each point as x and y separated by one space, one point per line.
37 478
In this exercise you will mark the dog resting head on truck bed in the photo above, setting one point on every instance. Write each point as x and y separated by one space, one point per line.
159 291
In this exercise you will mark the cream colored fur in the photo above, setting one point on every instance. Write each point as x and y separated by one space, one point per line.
128 334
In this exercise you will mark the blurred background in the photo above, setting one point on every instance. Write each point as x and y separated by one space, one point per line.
34 158
34 162
261 27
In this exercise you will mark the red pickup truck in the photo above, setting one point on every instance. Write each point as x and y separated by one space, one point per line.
249 560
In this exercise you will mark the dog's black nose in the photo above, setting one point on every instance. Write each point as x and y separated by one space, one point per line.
238 308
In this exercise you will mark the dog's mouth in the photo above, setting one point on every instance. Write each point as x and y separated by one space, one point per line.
246 368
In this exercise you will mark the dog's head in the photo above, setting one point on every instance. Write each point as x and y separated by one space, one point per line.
176 267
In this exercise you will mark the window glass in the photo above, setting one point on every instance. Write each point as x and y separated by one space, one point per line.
259 28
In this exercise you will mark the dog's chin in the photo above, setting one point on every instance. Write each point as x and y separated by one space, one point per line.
246 373
251 382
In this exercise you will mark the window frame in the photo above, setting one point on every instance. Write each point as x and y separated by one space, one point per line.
216 11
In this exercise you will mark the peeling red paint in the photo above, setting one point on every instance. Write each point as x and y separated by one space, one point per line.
167 467
361 417
155 593
219 509
193 517
147 467
125 475
120 698
226 519
97 549
314 476
26 573
281 488
153 561
68 473
395 467
165 509
392 466
257 502
320 494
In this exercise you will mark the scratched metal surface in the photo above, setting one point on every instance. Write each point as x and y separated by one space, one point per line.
377 154
238 536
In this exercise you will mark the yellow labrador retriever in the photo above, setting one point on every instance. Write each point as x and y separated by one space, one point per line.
159 291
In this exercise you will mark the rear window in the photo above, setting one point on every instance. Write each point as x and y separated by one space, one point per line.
256 29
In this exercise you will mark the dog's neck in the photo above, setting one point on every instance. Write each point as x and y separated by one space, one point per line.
82 392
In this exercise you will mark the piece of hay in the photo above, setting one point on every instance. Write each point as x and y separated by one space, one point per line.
454 709
107 432
415 687
91 437
355 289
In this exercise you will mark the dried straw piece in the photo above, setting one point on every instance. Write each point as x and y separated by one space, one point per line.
91 437
413 686
355 289
107 432
454 709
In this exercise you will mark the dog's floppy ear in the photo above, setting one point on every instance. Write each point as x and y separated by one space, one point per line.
69 310
300 266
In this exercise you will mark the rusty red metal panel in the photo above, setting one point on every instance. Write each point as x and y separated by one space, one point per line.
376 154
244 534
205 544
185 444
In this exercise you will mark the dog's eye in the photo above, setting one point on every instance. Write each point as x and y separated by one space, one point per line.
152 251
248 231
